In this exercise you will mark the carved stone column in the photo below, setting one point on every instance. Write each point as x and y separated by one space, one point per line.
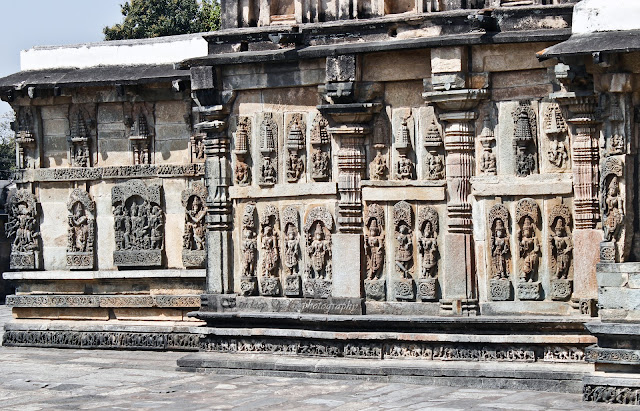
213 110
459 288
580 105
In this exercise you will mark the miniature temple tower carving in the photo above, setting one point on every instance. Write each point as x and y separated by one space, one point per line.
434 159
24 230
374 247
320 161
428 229
194 238
405 169
616 140
268 150
555 127
379 166
242 172
291 251
524 141
81 231
139 224
249 250
80 137
296 137
318 274
488 162
270 251
25 130
404 259
561 247
500 251
528 220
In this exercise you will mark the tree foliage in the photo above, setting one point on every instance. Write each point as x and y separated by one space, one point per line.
7 146
157 18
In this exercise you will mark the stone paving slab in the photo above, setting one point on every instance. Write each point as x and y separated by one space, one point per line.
55 379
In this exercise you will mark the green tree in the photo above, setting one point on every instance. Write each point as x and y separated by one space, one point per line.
7 146
156 18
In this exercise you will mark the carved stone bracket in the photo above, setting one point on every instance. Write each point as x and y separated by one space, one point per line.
24 231
139 224
194 251
81 231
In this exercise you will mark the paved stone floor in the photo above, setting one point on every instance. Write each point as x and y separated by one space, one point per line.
51 379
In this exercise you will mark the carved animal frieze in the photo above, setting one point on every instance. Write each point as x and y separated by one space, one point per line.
81 231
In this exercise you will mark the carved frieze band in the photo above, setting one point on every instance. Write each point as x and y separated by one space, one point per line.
102 340
108 173
92 301
596 354
611 395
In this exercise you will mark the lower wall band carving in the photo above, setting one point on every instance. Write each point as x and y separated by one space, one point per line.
386 350
611 395
102 340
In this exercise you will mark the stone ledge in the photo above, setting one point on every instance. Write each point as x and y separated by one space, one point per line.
399 192
284 190
100 275
534 185
111 301
529 376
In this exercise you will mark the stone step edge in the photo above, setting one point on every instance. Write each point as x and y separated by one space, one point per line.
544 377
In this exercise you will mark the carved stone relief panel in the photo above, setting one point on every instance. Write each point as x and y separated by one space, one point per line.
405 168
25 129
320 158
197 147
242 171
555 127
615 143
194 252
488 161
249 250
561 252
140 131
317 231
612 208
379 166
23 230
270 251
524 140
428 229
434 168
296 138
139 224
375 249
291 251
268 151
81 231
404 250
500 288
528 220
81 138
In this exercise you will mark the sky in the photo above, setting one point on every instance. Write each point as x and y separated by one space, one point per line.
28 23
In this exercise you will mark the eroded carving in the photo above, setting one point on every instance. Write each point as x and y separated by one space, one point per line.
80 137
555 127
81 231
379 167
242 172
528 219
296 147
321 150
616 141
193 240
405 169
139 224
249 249
488 162
25 137
317 230
434 159
141 132
23 228
268 150
290 228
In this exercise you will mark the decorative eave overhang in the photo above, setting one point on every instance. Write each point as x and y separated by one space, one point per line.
312 52
92 77
590 43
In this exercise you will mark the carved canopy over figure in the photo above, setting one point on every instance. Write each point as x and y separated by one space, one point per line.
500 248
560 240
22 225
374 243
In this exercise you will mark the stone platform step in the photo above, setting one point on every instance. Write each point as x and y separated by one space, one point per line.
490 375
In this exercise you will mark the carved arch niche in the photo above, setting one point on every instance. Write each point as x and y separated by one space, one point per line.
82 138
500 288
404 251
429 252
318 273
561 252
81 231
140 130
528 243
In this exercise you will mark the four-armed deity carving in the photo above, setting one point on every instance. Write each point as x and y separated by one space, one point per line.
81 231
23 228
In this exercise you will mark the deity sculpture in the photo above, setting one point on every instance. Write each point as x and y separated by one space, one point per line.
488 163
404 169
561 248
242 174
292 250
295 167
268 171
529 250
428 248
612 210
270 249
404 250
194 235
249 250
320 253
378 168
23 228
500 250
79 223
374 249
435 167
558 154
320 164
